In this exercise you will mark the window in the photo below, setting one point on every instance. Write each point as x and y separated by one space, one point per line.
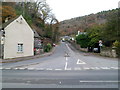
20 47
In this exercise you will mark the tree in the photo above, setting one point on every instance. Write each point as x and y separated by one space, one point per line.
7 12
54 25
112 30
82 40
94 34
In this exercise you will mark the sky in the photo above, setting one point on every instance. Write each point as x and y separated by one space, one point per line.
66 9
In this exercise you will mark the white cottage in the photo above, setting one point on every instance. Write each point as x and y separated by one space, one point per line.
18 38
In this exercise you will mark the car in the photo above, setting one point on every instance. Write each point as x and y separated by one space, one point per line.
54 44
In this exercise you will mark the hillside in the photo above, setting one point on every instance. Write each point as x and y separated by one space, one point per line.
71 26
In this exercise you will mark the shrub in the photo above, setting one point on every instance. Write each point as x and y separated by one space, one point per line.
116 44
82 40
47 47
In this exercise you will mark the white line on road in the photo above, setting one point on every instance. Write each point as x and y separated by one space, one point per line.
68 69
1 68
66 65
66 58
114 68
21 68
15 68
31 68
39 69
7 68
58 69
105 68
68 47
77 69
86 68
95 68
80 62
49 69
99 81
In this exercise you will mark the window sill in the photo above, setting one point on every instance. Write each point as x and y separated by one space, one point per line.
19 52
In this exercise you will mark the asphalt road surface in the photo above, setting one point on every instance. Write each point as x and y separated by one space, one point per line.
66 68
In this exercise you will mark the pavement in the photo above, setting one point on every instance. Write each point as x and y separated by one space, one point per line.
27 58
66 67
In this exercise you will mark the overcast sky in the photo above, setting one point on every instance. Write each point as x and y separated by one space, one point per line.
66 9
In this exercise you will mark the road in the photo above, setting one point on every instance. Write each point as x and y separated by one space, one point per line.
65 68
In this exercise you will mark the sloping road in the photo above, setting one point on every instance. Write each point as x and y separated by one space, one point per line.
65 68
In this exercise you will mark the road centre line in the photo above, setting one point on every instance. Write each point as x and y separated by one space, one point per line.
68 47
99 81
66 65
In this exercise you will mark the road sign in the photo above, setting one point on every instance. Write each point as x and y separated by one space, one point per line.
100 44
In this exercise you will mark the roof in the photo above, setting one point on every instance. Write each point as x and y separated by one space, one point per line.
36 35
9 21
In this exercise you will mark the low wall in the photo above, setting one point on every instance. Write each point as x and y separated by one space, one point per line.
109 53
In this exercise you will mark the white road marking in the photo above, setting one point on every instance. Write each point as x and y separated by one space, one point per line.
114 68
105 68
100 81
68 47
21 68
39 69
66 58
15 68
77 69
95 68
7 68
58 69
80 62
66 65
1 68
86 68
60 82
49 69
68 69
31 68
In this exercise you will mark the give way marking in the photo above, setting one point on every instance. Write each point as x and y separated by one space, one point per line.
80 62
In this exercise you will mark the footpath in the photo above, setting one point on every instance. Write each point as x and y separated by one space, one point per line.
27 58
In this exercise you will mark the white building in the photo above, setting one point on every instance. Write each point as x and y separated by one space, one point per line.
18 38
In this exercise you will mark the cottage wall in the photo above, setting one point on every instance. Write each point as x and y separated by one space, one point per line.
18 32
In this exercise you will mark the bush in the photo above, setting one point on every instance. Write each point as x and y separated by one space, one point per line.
116 44
47 47
82 40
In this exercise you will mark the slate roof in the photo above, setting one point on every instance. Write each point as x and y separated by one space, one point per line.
36 35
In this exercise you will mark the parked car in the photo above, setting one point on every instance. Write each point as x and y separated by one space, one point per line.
54 44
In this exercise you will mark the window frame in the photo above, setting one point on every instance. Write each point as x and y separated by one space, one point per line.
20 47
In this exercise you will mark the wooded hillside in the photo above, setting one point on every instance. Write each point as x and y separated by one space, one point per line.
71 26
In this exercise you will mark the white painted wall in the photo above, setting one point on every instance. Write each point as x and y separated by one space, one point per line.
15 33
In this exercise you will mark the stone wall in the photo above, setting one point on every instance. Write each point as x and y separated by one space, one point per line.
109 53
